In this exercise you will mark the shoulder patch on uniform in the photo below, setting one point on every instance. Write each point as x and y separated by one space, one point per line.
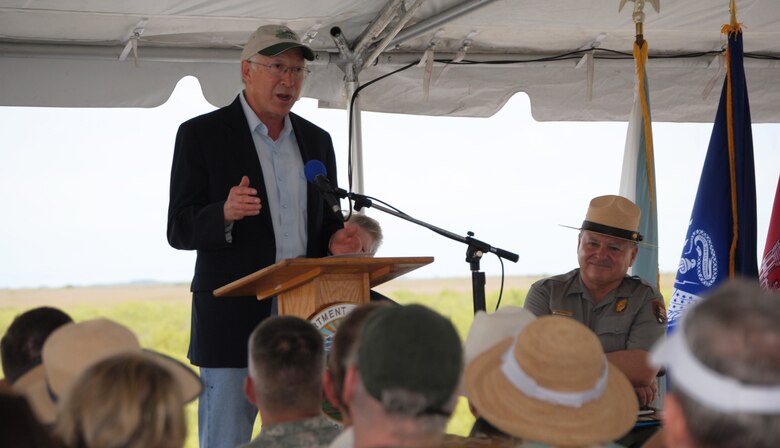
659 311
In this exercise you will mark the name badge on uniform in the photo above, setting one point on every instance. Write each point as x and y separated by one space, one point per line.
566 313
621 305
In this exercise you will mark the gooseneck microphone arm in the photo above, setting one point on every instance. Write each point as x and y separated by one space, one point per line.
474 252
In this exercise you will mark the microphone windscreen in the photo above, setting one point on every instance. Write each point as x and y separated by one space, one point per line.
314 168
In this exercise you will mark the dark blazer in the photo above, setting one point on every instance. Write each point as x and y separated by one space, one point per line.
212 153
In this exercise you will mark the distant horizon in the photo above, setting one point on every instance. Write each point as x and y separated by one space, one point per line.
151 282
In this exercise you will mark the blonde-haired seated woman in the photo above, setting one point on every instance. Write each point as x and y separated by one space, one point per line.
126 400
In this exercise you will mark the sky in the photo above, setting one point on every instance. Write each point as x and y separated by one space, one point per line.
84 192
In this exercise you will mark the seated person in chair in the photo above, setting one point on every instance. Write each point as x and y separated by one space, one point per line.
627 314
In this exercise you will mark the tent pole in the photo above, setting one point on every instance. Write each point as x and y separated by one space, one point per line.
356 139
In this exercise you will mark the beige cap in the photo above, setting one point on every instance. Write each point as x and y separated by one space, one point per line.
271 40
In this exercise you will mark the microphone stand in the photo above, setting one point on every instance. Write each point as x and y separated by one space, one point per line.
474 252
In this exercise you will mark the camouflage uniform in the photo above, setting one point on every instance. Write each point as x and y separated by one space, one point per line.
544 445
315 432
479 441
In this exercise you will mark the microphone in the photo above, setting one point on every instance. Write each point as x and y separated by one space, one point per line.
317 174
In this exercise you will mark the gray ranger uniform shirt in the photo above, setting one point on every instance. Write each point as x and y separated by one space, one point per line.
632 316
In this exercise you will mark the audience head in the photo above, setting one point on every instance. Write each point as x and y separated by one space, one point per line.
361 236
20 348
126 400
724 363
344 341
73 348
286 363
403 386
368 231
552 383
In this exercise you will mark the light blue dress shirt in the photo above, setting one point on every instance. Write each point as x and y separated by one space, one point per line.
285 184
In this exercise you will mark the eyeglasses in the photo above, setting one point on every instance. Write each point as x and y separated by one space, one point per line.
281 69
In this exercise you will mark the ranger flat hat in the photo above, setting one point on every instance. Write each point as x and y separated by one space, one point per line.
614 216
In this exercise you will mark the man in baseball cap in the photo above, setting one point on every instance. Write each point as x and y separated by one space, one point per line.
239 197
403 386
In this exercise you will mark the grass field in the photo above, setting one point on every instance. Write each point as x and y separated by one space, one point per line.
160 314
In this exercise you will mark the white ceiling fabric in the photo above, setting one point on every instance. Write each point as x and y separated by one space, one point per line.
65 53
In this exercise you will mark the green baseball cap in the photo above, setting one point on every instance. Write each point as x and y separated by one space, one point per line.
411 348
271 40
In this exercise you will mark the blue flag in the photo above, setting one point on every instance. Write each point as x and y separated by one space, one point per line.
721 240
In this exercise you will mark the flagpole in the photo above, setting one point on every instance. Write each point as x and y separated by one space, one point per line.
637 181
733 28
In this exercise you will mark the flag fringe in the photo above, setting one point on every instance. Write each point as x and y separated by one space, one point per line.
731 30
640 55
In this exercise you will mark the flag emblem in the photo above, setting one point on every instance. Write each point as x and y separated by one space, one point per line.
770 267
770 264
704 258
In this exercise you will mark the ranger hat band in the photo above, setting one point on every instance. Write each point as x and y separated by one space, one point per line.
612 231
614 216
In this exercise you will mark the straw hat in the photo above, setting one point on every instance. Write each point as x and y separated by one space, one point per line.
571 395
73 348
614 216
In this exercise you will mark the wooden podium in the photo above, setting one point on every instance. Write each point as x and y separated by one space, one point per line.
306 285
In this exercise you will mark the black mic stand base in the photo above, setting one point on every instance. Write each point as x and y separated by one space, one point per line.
473 255
478 290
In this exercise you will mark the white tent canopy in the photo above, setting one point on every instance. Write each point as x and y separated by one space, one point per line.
77 53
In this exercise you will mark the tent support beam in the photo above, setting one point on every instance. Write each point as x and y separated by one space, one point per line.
232 56
436 21
373 32
377 50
